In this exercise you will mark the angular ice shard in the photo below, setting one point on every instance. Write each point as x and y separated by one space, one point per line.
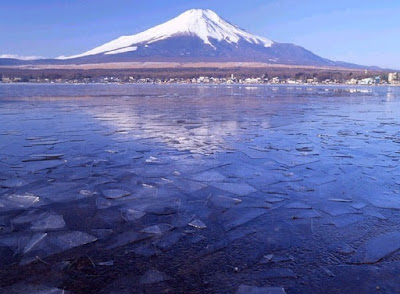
19 201
377 248
39 219
240 217
346 220
152 230
384 201
127 238
337 208
131 214
27 216
36 239
48 221
224 201
158 229
55 242
67 240
189 186
146 250
153 276
198 224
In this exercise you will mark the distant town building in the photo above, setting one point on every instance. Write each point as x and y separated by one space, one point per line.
352 82
312 81
252 81
393 78
6 80
367 81
275 80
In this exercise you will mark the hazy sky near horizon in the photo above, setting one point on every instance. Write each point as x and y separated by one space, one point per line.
358 31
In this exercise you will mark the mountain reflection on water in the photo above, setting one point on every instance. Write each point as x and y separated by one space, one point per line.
134 188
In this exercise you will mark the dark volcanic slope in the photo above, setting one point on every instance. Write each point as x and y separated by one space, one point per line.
191 48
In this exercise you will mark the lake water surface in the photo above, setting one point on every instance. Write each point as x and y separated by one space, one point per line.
199 189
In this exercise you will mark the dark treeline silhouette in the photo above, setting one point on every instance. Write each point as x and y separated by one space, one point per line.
188 73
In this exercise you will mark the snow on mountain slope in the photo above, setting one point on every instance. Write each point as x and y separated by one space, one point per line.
122 50
205 24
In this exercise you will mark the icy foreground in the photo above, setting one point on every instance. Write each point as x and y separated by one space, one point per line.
205 24
180 188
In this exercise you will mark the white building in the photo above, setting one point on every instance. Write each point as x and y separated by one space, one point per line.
393 78
367 81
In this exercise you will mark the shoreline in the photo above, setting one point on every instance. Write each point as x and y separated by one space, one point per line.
201 84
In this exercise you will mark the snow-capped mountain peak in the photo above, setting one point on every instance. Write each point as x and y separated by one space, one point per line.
204 24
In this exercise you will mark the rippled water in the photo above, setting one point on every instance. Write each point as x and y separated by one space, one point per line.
128 188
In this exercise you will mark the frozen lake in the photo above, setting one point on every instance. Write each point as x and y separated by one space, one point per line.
201 189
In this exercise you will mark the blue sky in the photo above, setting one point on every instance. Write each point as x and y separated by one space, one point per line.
359 31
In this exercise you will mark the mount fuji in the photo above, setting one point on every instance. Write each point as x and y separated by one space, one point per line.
196 35
198 26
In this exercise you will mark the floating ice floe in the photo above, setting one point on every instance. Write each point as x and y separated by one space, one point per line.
115 193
